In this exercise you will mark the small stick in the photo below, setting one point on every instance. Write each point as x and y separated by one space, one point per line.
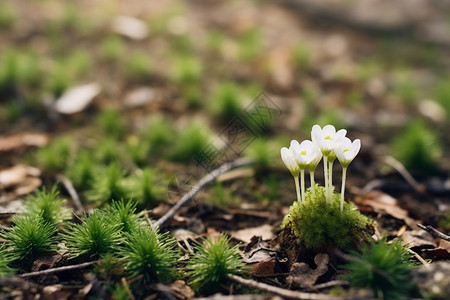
434 232
240 162
79 209
400 168
57 270
329 284
283 292
127 288
419 258
8 213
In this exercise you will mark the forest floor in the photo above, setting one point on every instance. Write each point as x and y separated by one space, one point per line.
165 92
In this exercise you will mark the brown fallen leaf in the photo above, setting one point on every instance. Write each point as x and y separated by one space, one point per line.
19 142
418 239
383 203
264 268
175 290
15 175
245 235
303 276
442 251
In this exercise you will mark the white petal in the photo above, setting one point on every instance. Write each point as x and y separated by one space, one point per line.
340 134
329 130
316 134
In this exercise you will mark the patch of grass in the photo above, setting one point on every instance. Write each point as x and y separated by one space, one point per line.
123 213
112 49
138 66
55 155
108 266
138 150
190 142
301 57
148 188
220 195
211 263
442 93
418 148
263 152
109 184
5 260
444 223
227 101
250 45
214 41
405 87
112 122
186 70
149 253
159 133
97 235
58 81
30 237
48 206
384 268
320 225
108 150
7 15
81 171
18 70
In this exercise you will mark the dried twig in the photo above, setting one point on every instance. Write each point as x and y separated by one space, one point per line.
57 270
419 258
8 213
127 288
400 168
329 284
434 232
212 176
283 292
79 209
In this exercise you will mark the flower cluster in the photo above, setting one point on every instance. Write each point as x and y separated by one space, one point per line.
326 143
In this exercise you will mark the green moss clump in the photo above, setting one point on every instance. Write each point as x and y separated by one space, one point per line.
321 225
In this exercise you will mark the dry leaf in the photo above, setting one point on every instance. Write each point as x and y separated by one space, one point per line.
77 99
18 142
130 27
303 276
418 239
263 268
384 204
245 235
139 97
440 252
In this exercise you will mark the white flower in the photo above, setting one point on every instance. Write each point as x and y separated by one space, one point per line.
307 154
327 138
347 151
288 158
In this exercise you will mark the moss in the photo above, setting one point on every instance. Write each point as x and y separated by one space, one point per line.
321 225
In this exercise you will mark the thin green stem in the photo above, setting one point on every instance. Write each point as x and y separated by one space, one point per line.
330 173
330 181
311 177
297 188
302 174
344 175
325 170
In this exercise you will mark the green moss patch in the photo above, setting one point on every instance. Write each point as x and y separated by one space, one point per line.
320 225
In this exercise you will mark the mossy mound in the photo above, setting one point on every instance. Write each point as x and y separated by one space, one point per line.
321 225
